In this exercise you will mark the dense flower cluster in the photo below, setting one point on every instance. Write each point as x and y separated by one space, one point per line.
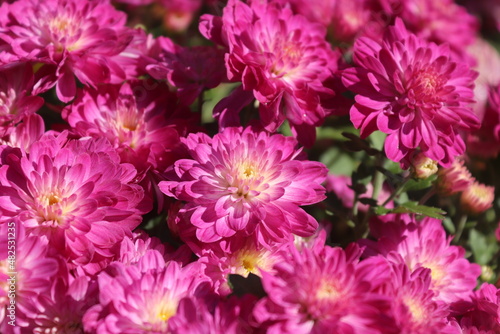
249 166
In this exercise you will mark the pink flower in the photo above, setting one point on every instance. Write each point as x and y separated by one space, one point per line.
412 304
282 58
230 316
485 141
415 92
25 133
481 315
322 290
73 37
243 256
74 192
16 101
424 244
62 308
454 179
142 298
477 198
26 270
438 21
140 119
190 70
247 181
345 19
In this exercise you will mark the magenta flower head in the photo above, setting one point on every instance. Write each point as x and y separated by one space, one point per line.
26 270
140 119
190 70
74 192
73 37
248 181
413 307
16 101
282 58
482 313
318 290
144 298
424 244
415 92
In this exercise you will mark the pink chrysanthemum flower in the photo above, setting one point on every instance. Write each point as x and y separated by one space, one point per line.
26 270
60 309
30 130
190 70
413 307
230 316
481 315
248 181
244 257
325 290
424 244
16 102
74 192
415 92
438 21
142 298
73 37
282 58
140 119
485 141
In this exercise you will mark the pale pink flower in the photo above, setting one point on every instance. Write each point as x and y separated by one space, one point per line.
454 179
477 198
74 192
424 244
72 37
282 60
248 181
415 92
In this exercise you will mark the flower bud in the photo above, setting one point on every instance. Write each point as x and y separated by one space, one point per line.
477 198
422 167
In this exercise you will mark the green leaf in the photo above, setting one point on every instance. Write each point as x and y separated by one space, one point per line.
412 207
380 210
449 226
419 184
428 211
483 247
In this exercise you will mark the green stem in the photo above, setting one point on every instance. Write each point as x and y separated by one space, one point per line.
460 227
427 195
398 190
